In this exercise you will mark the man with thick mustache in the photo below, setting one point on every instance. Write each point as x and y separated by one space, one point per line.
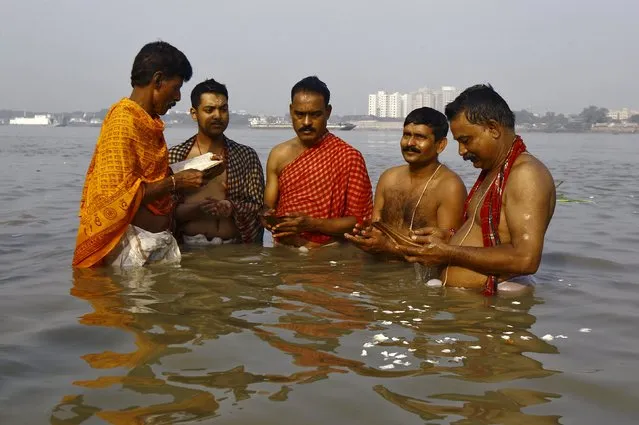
227 208
508 210
317 185
424 193
128 191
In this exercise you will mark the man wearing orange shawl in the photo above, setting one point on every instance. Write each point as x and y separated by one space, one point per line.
317 186
508 210
126 205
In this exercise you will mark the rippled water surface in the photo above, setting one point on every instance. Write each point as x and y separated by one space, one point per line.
241 335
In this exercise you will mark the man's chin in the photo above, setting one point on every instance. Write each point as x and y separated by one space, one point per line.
215 133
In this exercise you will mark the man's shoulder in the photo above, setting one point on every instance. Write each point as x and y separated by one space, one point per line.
179 152
394 172
450 177
185 144
124 109
344 151
527 167
284 147
451 183
342 144
240 148
529 174
244 154
392 175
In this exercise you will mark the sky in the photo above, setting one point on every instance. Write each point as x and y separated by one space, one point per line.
544 55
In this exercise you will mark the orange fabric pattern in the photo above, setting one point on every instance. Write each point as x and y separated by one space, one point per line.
131 150
329 180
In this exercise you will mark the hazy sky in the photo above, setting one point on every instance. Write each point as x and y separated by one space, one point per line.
542 55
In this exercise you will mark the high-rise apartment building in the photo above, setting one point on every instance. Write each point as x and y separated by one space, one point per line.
398 105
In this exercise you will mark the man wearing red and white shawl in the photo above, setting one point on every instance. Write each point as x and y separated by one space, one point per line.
508 210
317 185
227 208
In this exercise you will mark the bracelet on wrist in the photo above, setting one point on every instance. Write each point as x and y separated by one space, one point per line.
173 180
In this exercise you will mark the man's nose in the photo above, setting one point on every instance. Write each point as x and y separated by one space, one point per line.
307 119
462 150
179 97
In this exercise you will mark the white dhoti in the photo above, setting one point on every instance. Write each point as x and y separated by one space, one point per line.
139 247
202 240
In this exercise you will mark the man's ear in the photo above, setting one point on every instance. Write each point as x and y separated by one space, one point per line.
441 145
193 113
494 129
157 79
329 109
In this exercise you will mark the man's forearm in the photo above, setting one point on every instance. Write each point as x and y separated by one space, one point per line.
332 226
501 259
155 190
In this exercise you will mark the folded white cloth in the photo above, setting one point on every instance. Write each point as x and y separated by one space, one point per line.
139 247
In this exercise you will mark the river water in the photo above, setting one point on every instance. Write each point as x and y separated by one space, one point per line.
239 335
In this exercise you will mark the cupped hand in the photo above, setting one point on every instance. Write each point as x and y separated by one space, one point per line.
369 239
435 232
291 224
432 252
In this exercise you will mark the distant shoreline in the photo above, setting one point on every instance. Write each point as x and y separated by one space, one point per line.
371 125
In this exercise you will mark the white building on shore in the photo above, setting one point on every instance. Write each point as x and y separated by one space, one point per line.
621 114
398 105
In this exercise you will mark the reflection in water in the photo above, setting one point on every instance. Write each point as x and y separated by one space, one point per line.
493 407
231 325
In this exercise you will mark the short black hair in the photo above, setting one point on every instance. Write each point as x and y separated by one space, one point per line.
159 56
208 86
430 117
482 104
314 85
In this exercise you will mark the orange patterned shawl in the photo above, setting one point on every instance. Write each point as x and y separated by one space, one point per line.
130 151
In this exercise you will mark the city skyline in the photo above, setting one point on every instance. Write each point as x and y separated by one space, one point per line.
622 113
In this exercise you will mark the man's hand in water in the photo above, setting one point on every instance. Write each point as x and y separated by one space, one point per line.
292 224
369 239
217 208
433 252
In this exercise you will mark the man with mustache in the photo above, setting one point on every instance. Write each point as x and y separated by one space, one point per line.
423 193
508 210
128 192
226 209
317 185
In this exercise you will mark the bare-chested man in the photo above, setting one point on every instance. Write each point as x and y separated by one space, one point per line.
317 185
226 209
508 210
423 193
